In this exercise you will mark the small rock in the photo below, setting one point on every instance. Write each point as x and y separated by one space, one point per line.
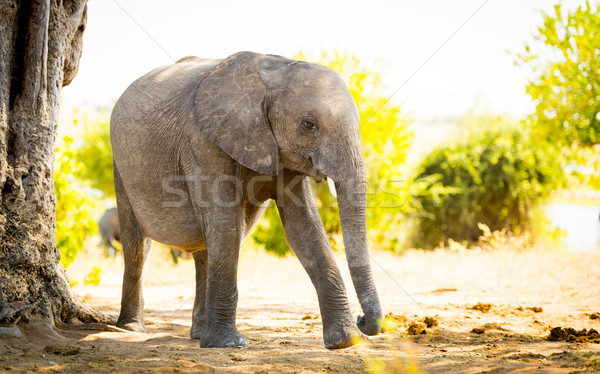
595 316
526 356
483 308
417 328
62 350
478 330
494 326
536 309
571 335
10 332
430 321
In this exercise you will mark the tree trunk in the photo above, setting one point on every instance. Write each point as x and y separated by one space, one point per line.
40 46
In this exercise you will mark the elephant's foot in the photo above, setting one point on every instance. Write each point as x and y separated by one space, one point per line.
198 325
222 336
369 326
342 336
196 332
131 324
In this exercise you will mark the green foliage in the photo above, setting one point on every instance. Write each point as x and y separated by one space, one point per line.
82 166
95 155
93 278
73 204
566 87
269 232
496 176
593 364
586 168
385 140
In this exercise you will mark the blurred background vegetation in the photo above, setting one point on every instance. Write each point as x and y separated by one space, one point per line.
489 181
83 183
497 175
565 64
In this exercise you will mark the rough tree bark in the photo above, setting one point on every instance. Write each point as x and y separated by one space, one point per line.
40 47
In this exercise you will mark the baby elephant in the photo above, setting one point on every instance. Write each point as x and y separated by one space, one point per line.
199 149
109 229
111 232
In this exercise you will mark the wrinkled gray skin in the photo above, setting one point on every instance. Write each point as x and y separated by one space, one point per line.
183 132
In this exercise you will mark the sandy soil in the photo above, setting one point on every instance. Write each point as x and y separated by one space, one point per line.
528 294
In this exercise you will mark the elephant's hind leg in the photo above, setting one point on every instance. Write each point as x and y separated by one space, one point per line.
135 252
199 313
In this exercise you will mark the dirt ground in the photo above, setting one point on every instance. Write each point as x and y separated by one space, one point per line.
494 312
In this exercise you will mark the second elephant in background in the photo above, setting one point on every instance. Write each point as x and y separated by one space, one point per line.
110 231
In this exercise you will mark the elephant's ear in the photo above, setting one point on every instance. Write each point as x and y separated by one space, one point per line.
230 109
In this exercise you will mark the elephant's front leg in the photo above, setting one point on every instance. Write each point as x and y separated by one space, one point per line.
306 235
223 236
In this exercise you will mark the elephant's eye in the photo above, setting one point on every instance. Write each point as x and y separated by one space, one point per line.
309 125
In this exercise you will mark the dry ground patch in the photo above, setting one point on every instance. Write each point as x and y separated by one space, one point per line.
493 310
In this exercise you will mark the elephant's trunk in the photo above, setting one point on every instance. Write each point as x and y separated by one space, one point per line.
351 186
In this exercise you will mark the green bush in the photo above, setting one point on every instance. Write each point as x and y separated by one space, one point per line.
93 277
94 153
565 59
83 167
74 205
269 233
385 141
496 176
565 89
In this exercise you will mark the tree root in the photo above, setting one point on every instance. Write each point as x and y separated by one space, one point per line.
76 311
8 310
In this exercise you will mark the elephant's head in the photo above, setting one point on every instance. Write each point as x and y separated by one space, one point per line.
269 112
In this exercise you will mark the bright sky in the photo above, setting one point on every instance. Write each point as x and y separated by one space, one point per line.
125 39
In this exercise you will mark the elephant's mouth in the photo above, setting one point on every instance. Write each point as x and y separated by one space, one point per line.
316 175
318 179
306 165
315 172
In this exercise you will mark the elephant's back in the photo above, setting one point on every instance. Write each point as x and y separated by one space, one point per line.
154 108
167 78
154 92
